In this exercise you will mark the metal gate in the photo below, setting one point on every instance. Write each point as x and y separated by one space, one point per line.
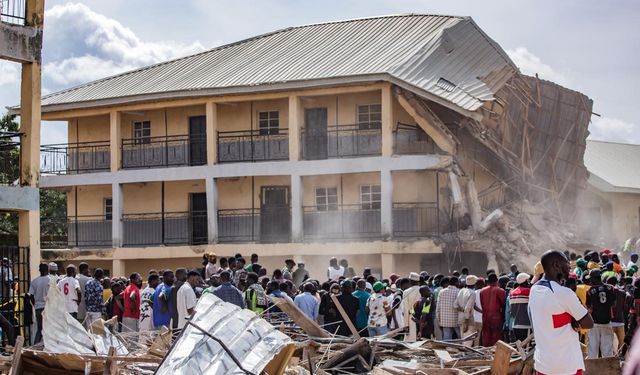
16 311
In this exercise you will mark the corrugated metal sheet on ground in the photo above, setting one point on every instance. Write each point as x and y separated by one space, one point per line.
416 49
251 339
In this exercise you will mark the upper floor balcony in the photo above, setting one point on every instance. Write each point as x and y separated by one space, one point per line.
164 151
253 145
9 158
75 158
13 11
338 141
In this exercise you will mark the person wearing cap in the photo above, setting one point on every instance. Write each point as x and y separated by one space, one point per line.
378 308
70 289
53 271
581 267
287 271
600 301
409 298
464 304
519 307
300 275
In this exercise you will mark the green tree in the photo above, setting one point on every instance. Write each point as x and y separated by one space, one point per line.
9 150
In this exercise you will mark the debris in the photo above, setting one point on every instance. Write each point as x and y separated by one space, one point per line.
309 326
345 317
491 219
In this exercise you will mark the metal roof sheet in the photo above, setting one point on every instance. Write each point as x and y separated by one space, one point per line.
614 163
417 50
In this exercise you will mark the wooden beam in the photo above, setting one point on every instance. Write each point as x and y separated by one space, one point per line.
309 326
345 317
16 361
501 359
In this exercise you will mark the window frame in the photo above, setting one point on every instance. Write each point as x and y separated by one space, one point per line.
272 121
327 205
138 135
368 123
368 192
107 206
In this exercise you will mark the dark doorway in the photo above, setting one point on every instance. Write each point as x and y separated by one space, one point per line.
198 218
197 140
316 138
275 214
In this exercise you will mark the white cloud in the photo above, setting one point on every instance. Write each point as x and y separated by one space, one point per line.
9 72
86 46
531 64
614 129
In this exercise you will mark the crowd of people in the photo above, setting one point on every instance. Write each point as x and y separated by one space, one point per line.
595 296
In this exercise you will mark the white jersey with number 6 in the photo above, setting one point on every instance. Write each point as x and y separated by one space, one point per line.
68 287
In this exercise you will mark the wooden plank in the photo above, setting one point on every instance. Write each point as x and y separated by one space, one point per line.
17 356
110 366
345 317
501 359
309 326
444 355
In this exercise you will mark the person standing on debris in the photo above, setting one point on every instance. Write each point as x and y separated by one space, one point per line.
492 300
422 314
255 297
409 298
38 291
227 292
146 303
378 308
555 313
162 301
335 271
181 278
464 303
397 307
70 289
93 297
519 307
186 300
328 309
307 301
131 313
447 311
600 301
362 295
83 278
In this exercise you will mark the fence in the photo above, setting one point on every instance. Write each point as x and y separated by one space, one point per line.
81 231
417 219
342 141
9 158
164 151
251 145
13 11
239 225
15 307
341 222
169 228
74 158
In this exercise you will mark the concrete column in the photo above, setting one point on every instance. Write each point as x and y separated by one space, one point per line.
115 119
117 268
386 204
212 133
117 232
387 121
388 262
297 233
29 236
212 211
294 127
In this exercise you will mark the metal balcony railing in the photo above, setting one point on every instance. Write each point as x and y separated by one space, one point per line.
13 11
15 279
9 158
169 228
411 139
75 158
239 225
342 141
164 151
418 219
252 145
69 232
335 221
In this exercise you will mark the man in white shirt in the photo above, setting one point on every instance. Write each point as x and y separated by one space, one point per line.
335 271
38 291
465 302
556 313
70 289
409 297
186 299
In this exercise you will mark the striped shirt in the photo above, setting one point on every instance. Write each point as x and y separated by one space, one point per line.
519 307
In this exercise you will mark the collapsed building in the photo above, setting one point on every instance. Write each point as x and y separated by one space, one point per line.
397 142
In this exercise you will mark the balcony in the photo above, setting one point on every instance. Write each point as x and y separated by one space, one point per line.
164 151
245 225
342 141
411 139
169 228
80 231
252 145
418 219
337 222
13 11
75 158
9 158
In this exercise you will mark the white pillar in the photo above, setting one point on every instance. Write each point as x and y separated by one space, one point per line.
212 211
297 233
117 268
386 204
117 233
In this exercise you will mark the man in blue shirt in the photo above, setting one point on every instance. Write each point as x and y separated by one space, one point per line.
161 306
307 302
227 292
361 294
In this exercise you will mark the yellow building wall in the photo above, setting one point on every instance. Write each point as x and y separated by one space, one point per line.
169 121
235 193
244 115
414 186
146 197
90 200
88 129
346 104
348 190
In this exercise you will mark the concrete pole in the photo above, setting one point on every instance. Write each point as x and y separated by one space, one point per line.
387 121
212 133
117 233
117 268
212 211
386 204
294 127
115 120
297 230
388 263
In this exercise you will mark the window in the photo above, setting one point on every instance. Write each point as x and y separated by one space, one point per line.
370 116
108 209
269 122
326 199
142 132
370 197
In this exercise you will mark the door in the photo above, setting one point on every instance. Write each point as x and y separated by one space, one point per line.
197 140
316 138
198 218
275 214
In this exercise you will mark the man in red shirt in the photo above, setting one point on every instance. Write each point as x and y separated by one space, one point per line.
492 300
131 297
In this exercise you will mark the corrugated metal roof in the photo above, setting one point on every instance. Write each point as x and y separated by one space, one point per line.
416 50
614 163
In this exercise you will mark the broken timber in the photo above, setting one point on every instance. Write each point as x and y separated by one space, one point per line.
309 326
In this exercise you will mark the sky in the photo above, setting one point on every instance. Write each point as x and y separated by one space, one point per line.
587 45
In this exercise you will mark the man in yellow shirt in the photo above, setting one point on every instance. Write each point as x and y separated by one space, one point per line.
581 292
594 261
